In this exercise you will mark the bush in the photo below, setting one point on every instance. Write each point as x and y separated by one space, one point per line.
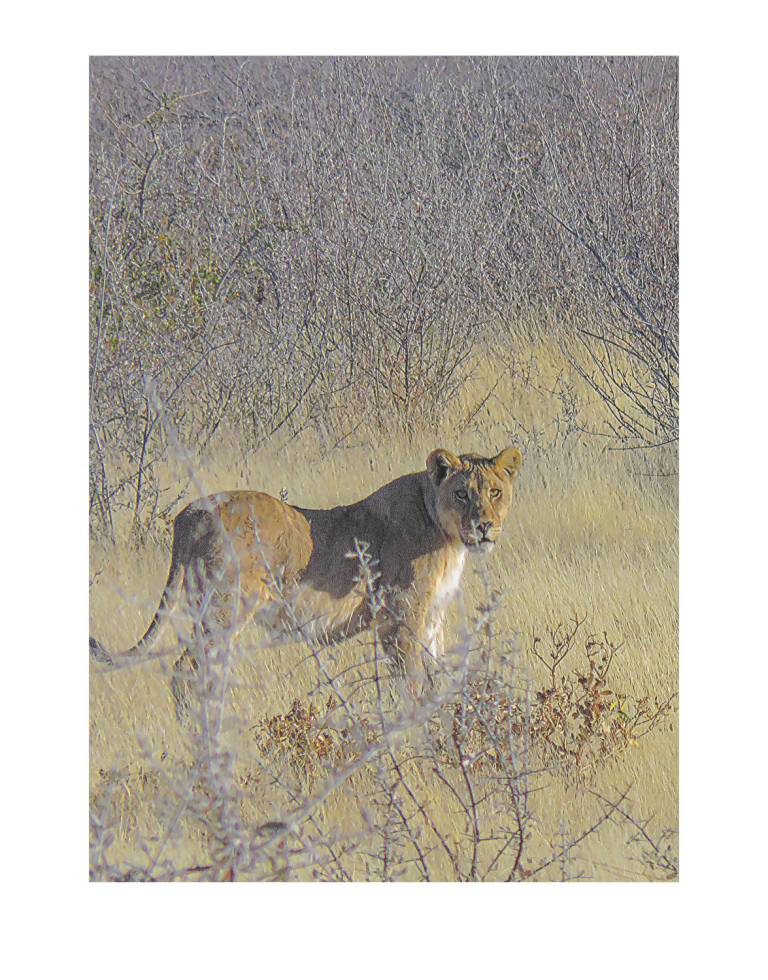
271 237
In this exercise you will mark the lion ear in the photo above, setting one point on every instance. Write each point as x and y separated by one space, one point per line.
440 463
508 462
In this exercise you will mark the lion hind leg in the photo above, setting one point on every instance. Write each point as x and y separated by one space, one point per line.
200 678
184 686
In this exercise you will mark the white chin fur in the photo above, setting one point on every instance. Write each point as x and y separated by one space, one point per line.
482 547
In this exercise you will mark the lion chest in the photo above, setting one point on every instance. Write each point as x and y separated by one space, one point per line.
448 581
445 588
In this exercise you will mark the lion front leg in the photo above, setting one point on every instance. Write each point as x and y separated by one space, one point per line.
408 643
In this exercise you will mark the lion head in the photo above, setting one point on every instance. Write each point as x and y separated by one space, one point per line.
472 494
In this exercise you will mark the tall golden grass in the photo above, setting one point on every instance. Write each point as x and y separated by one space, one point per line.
592 534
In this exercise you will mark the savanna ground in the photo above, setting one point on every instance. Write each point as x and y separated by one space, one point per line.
592 536
305 275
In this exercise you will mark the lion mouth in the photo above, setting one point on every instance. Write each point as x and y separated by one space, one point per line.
483 544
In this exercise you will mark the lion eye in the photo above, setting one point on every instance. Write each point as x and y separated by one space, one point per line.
495 492
462 495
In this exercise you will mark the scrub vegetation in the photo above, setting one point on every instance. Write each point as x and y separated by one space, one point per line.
305 275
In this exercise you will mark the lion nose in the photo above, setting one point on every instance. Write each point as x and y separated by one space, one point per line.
485 528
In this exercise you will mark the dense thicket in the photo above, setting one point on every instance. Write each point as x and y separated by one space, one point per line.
269 237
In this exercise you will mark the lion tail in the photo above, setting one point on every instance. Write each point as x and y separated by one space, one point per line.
166 606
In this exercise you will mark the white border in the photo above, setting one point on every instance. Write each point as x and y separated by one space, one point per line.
707 919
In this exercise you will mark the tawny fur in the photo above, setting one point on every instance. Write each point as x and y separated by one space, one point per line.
293 568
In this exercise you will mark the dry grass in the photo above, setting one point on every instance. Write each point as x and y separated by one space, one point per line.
593 534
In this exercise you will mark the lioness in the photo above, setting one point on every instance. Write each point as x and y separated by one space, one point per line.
297 570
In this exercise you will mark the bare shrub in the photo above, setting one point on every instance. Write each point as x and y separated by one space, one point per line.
478 747
271 237
607 194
